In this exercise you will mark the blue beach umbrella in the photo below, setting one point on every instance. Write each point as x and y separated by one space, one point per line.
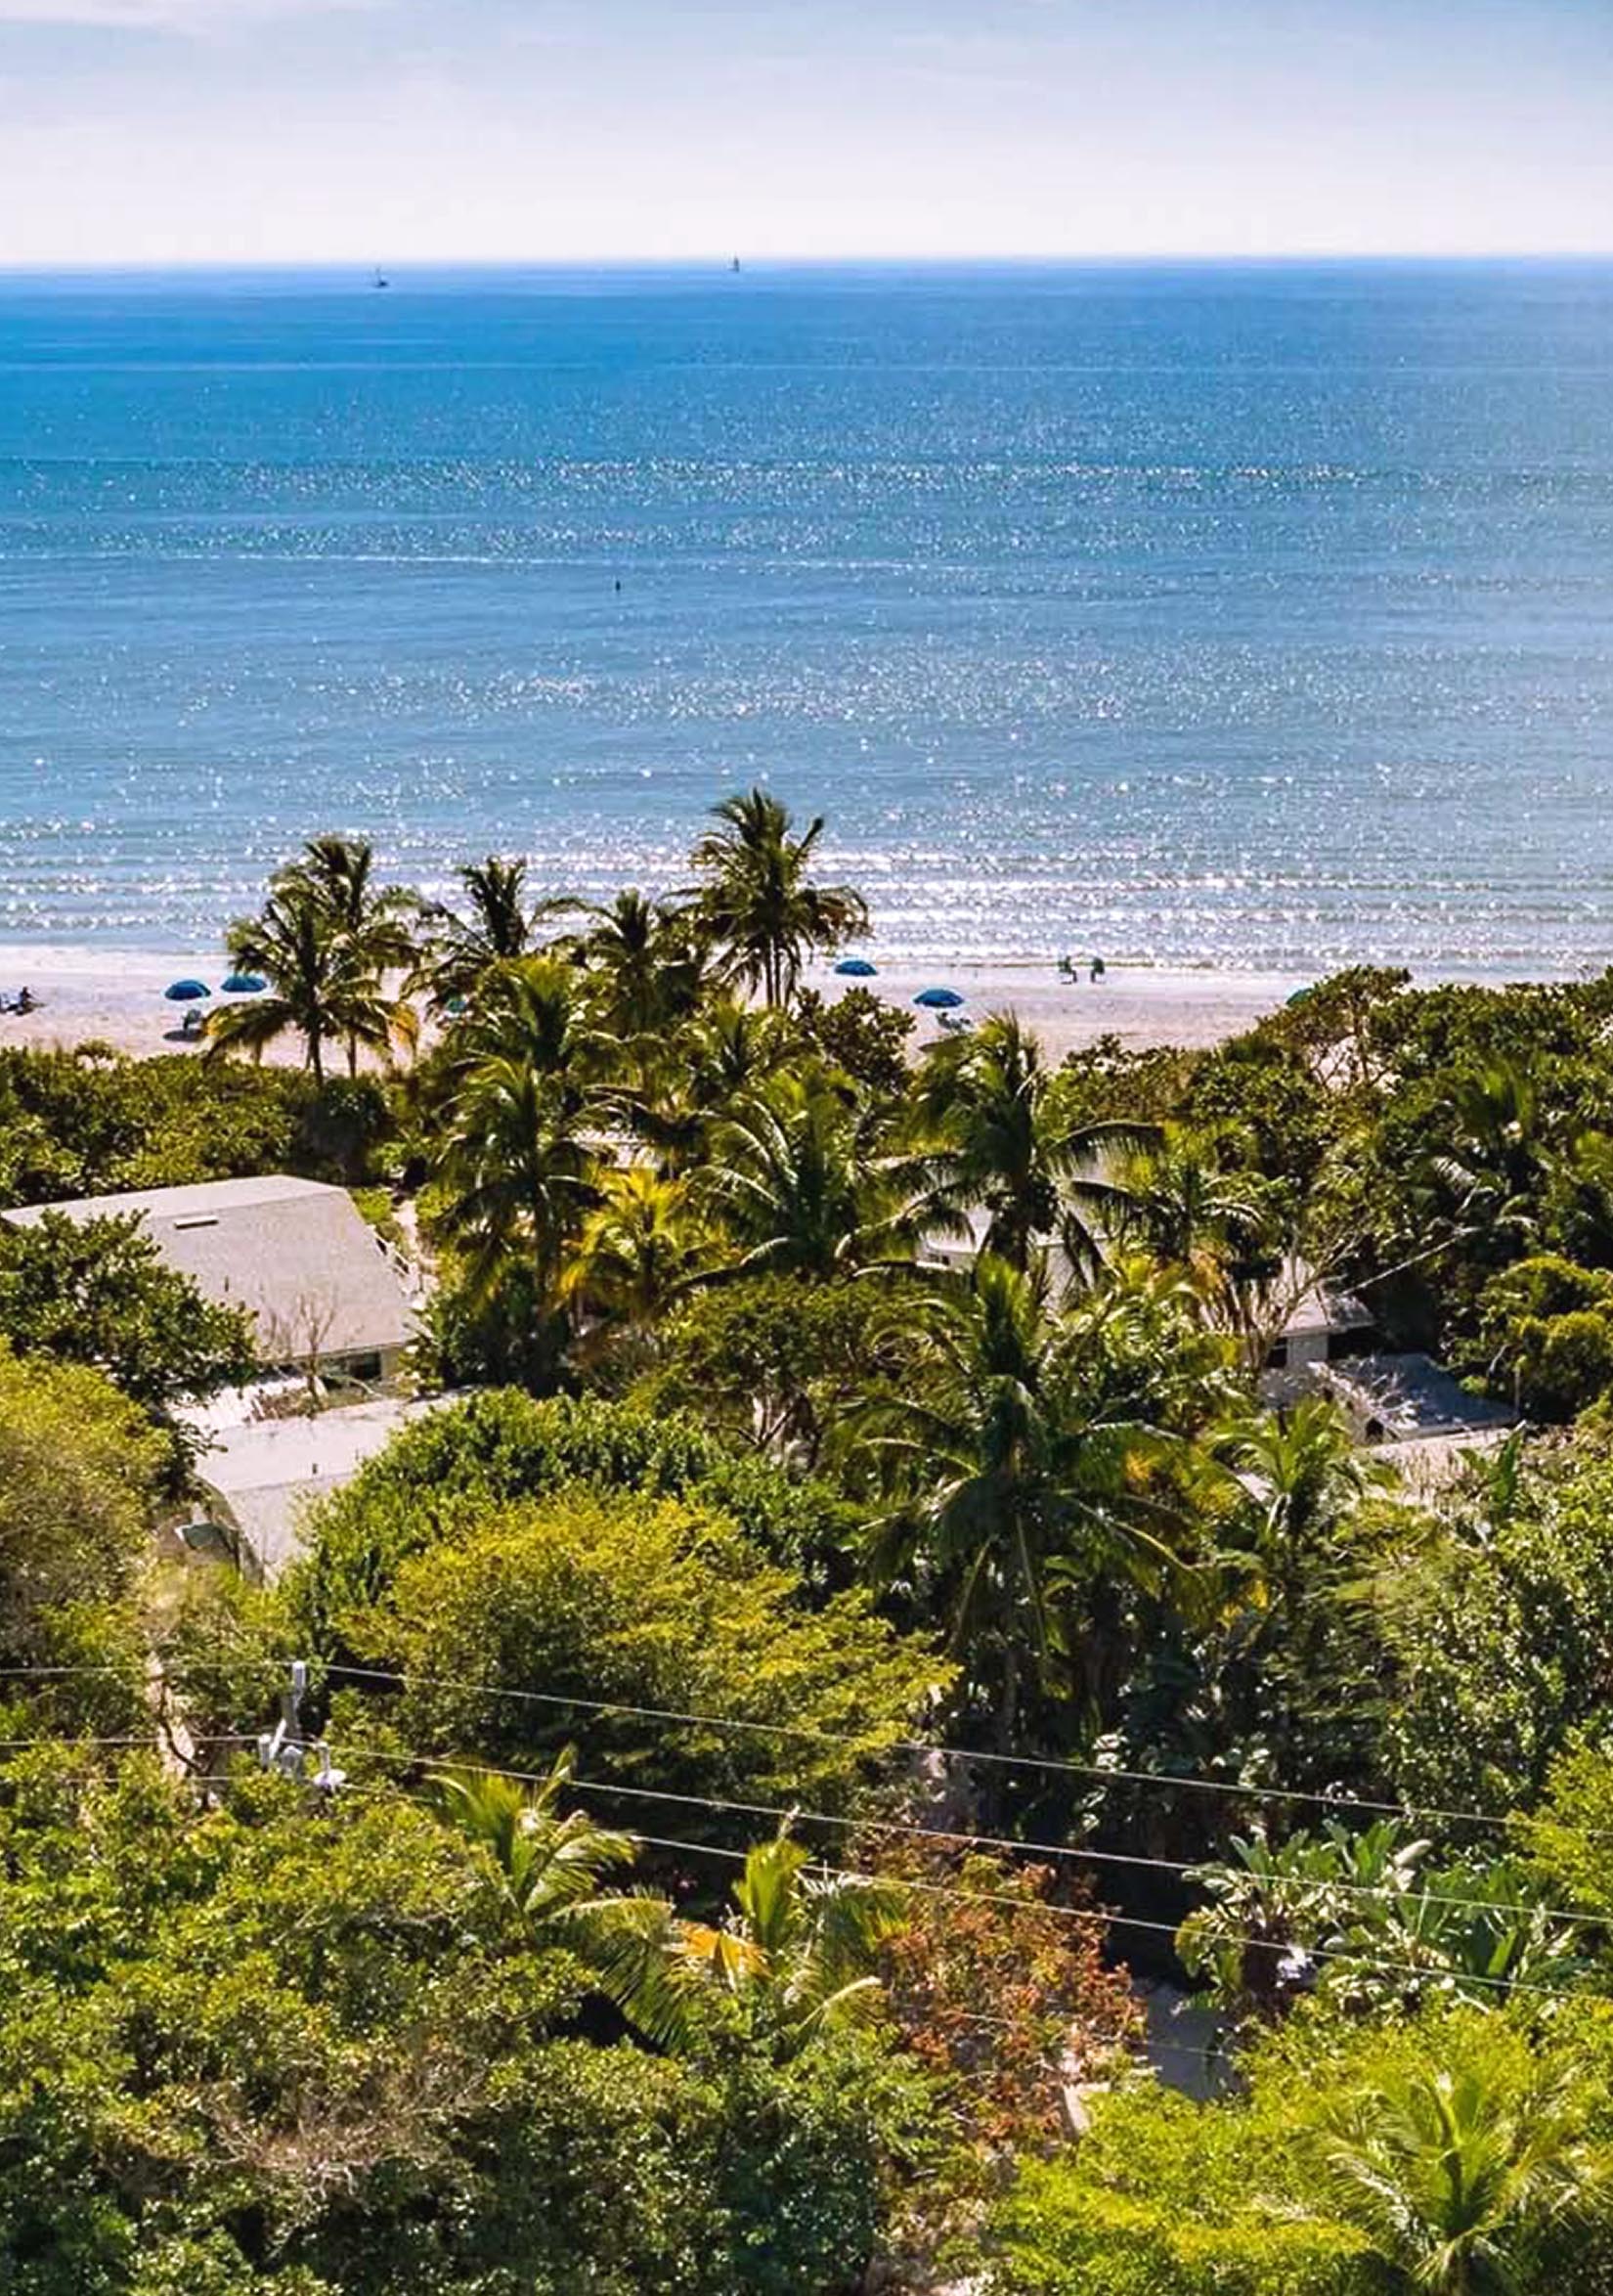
186 991
858 967
245 983
938 1000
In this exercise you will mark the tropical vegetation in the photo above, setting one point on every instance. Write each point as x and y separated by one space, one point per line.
881 1625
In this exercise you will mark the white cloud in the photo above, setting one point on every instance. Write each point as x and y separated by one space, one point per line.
200 17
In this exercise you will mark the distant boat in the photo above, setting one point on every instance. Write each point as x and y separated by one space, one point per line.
381 279
734 265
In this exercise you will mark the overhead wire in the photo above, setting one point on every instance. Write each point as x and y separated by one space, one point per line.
1087 1918
1075 1852
1243 1790
1090 1917
1378 1964
1238 1790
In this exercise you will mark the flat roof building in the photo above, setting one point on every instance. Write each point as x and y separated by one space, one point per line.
265 1477
1324 1323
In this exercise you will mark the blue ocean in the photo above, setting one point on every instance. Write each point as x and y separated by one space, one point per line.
1241 615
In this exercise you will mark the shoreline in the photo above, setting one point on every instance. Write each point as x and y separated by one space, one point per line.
115 997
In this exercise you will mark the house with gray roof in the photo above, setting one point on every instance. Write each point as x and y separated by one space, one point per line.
263 1479
319 1284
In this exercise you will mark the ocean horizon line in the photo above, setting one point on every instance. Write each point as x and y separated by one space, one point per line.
799 264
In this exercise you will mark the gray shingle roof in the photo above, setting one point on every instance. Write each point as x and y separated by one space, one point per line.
295 1254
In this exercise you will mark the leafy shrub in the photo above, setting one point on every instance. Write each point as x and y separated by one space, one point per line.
645 1604
1551 1325
859 1033
1163 2198
988 1930
79 1468
99 1292
1451 2151
270 2053
773 1363
80 1123
505 1446
1497 1640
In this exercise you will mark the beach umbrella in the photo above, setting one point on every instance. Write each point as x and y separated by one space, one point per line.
938 1000
245 983
858 967
186 991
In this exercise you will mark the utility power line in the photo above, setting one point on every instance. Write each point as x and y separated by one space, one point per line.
921 1747
1087 1918
1160 1781
1075 1852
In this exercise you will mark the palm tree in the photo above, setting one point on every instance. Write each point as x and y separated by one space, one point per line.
788 1180
370 926
798 1953
1189 1212
645 963
495 926
756 898
522 1138
534 1011
1497 1152
1453 2177
690 1082
1302 1474
519 1174
551 1864
637 1249
1021 1469
317 990
990 1141
732 1049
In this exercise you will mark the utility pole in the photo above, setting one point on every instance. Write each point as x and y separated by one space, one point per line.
286 1751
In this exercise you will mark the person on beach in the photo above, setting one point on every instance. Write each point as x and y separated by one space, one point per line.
1097 968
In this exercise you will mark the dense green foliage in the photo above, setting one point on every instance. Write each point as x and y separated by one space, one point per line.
99 1292
584 1552
325 2055
91 1122
79 1468
1456 2153
887 1584
501 1448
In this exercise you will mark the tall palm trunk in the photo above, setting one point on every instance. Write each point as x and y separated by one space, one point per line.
1006 1723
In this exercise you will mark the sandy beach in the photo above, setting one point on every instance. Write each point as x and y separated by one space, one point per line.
1140 1004
115 997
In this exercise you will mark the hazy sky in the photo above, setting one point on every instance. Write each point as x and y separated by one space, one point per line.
169 130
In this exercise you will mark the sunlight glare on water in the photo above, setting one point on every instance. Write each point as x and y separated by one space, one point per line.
1259 616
